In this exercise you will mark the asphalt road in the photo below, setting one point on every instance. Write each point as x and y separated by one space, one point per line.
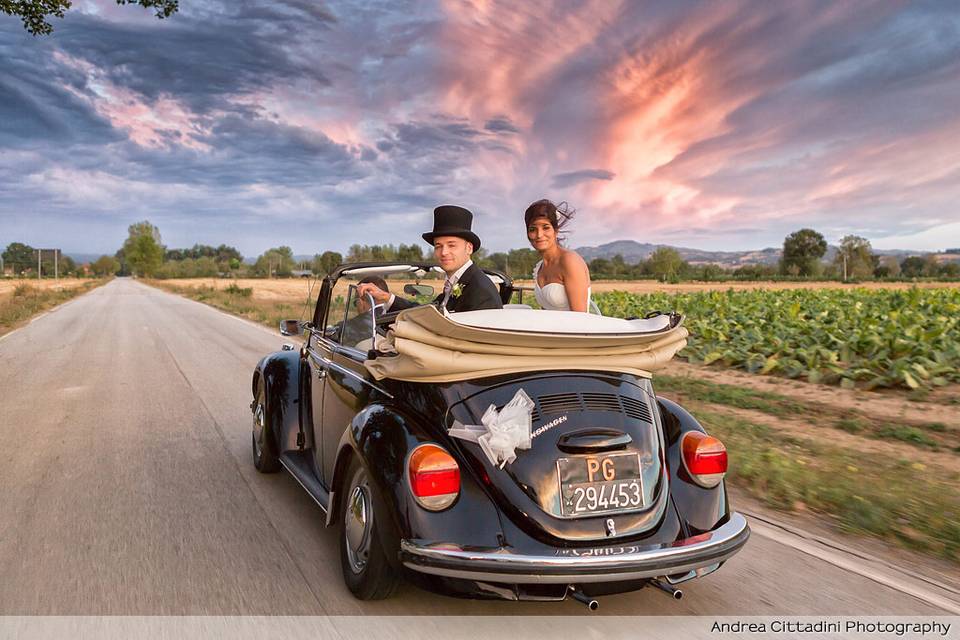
127 487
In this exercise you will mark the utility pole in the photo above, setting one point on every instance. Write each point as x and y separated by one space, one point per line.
844 267
56 265
39 252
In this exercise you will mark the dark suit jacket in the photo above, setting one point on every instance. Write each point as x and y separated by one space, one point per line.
478 292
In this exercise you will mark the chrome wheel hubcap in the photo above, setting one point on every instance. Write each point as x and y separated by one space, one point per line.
258 424
358 521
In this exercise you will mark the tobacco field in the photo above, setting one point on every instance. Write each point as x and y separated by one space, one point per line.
857 338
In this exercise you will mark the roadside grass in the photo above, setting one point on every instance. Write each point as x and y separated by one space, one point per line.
934 435
239 301
27 301
899 500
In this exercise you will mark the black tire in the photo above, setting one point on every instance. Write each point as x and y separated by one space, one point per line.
263 457
366 571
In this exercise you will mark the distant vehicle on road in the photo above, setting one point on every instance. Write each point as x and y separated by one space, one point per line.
399 426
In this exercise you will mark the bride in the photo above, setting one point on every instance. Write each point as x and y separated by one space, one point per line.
561 280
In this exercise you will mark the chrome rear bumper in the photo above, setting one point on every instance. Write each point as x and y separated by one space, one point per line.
603 564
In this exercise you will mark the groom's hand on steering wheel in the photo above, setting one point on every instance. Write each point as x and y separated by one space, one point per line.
379 295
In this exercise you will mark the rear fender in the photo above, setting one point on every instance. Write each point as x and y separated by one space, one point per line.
700 509
382 437
280 372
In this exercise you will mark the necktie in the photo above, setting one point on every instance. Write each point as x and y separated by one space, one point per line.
447 290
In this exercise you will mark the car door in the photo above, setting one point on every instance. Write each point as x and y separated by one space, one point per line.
342 385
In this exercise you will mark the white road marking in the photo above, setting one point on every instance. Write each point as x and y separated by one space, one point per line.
859 564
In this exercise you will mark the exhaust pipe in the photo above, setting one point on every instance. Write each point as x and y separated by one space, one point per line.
582 598
677 594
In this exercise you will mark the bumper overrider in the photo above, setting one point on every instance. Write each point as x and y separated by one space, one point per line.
606 564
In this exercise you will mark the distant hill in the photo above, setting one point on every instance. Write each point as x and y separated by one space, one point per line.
81 258
899 254
634 252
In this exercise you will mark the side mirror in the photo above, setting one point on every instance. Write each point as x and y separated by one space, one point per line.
418 290
290 327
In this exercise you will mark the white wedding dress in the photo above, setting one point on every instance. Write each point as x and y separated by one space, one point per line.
553 296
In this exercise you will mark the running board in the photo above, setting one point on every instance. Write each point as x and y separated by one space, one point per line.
301 468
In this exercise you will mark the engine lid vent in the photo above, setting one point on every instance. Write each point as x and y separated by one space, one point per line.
567 402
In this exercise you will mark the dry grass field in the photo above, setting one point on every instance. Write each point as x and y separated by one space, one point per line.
288 291
21 300
8 285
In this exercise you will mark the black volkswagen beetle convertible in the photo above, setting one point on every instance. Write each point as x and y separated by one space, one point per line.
393 423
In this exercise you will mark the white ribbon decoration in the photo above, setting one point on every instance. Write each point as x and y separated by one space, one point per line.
502 432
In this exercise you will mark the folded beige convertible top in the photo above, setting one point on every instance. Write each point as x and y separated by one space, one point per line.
427 346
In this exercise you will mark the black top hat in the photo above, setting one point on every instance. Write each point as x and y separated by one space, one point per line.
451 220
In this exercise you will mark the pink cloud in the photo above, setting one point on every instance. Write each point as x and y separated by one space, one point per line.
161 123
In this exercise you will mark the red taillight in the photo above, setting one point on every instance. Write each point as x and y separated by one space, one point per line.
704 457
434 477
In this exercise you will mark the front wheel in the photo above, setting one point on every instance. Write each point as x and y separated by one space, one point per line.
366 570
263 458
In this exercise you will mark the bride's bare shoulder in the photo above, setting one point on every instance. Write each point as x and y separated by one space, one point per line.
572 260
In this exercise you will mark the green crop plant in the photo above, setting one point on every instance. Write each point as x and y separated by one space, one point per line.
861 338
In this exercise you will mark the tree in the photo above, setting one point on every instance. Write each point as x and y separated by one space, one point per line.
143 250
496 261
34 13
931 268
414 253
802 251
67 266
275 262
754 272
950 270
228 254
666 263
324 263
599 267
105 266
857 254
618 266
206 267
19 257
520 263
708 272
888 268
912 267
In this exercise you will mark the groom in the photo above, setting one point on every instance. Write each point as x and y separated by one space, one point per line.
466 287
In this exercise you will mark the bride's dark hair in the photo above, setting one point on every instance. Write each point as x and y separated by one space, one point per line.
558 215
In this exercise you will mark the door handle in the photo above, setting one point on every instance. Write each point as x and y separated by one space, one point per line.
320 363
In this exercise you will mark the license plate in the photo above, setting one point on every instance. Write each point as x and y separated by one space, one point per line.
595 485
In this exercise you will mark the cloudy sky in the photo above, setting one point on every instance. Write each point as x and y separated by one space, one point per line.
719 125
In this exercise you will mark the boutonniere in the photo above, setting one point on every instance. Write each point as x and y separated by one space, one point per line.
457 290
